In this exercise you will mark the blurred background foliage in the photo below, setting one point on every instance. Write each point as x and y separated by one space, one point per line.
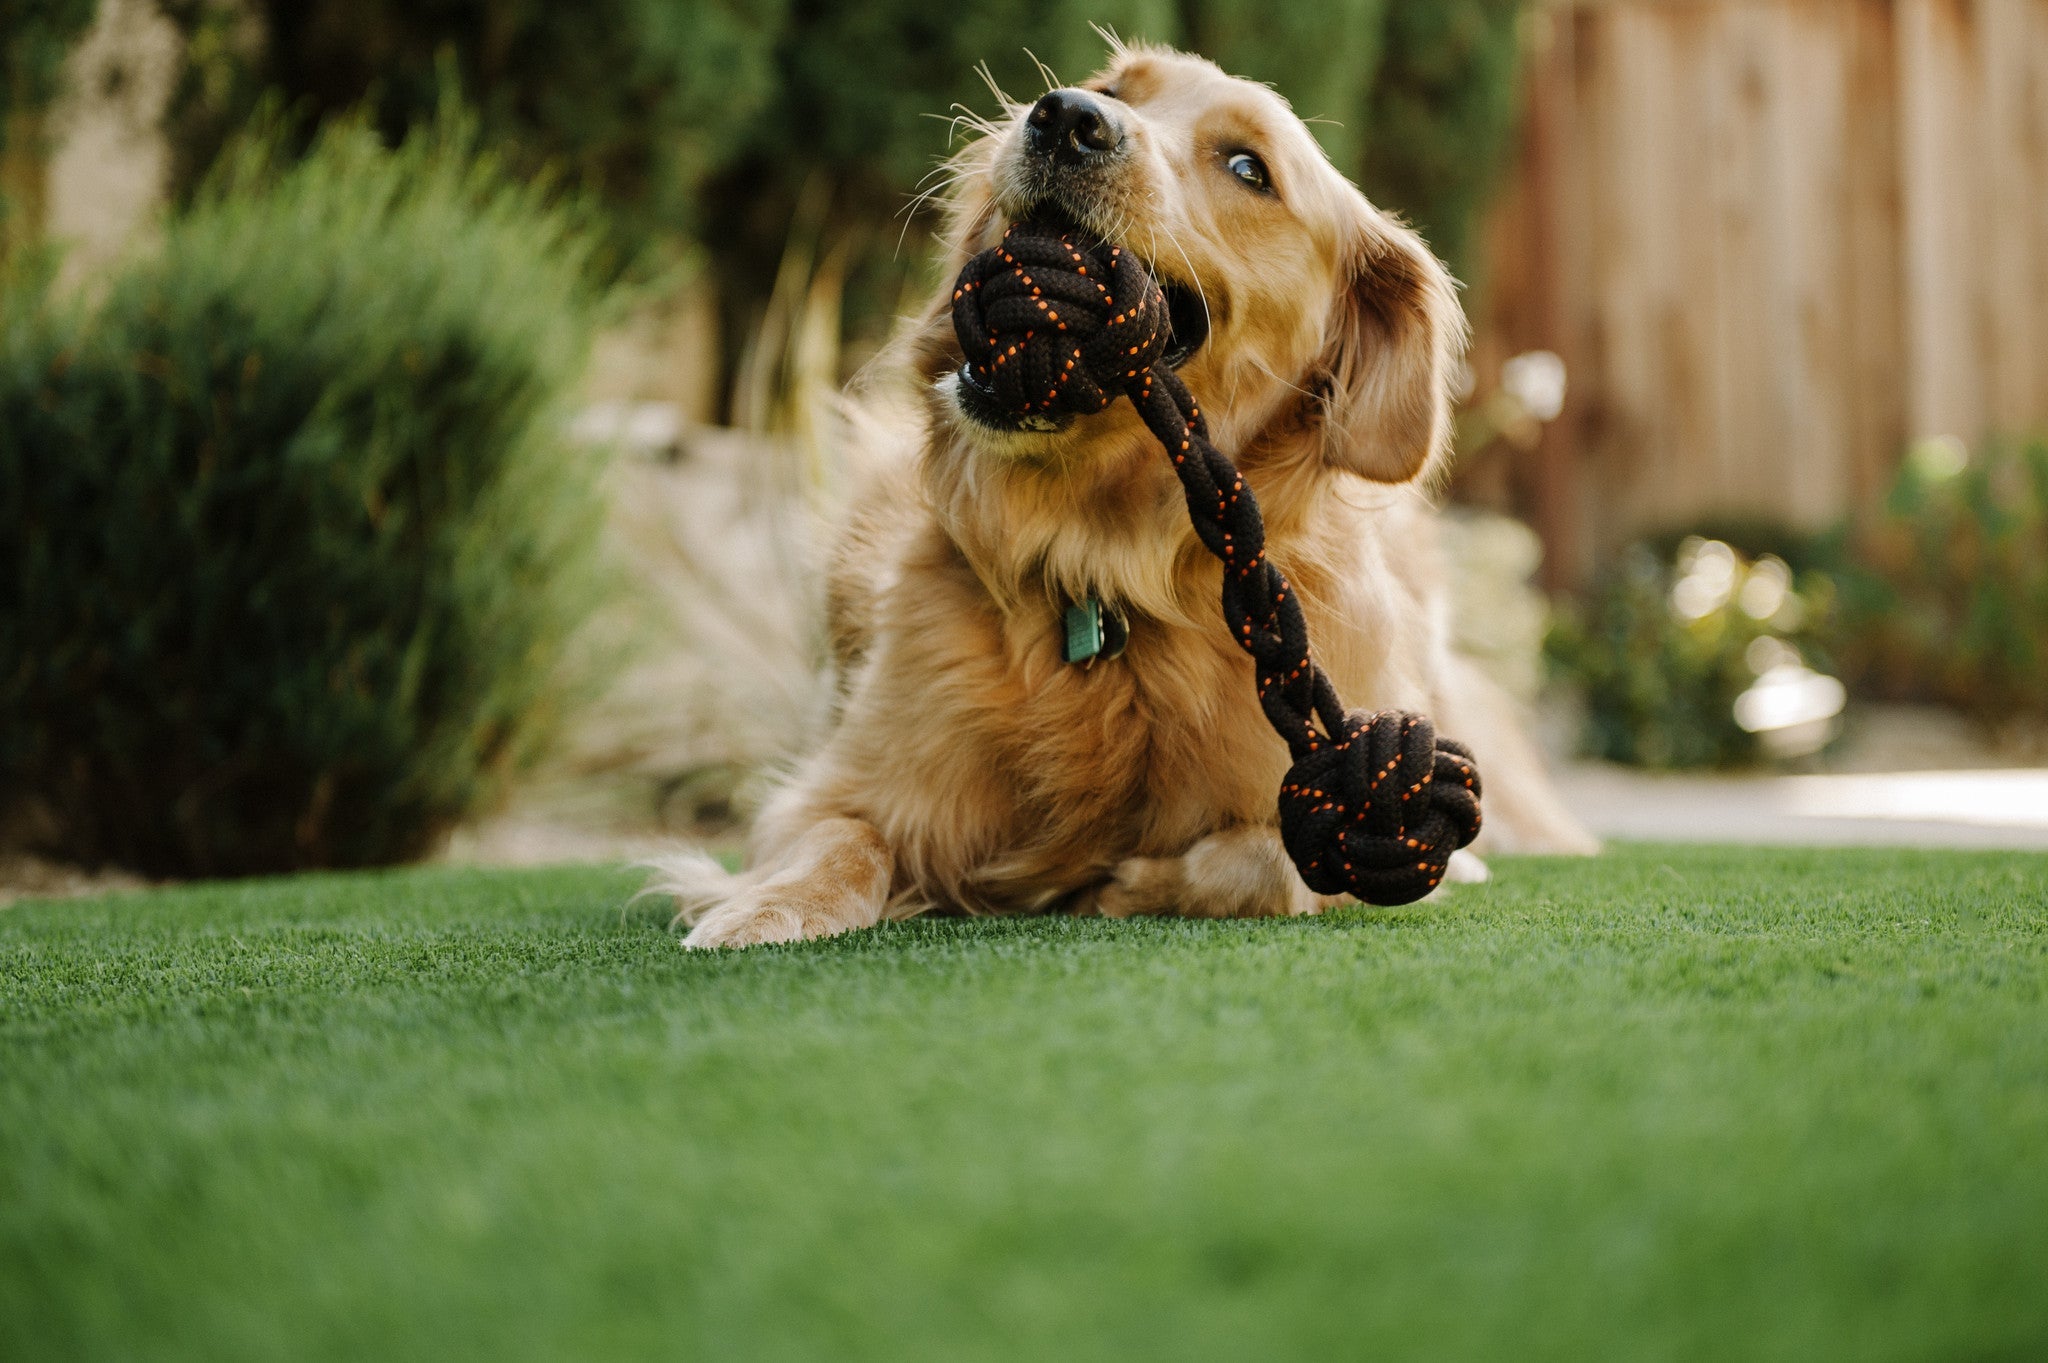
35 38
1936 593
1944 585
1668 643
38 36
1439 115
290 562
298 542
299 545
702 124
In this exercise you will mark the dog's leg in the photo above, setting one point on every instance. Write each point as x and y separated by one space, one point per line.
832 879
1237 873
1524 811
1467 868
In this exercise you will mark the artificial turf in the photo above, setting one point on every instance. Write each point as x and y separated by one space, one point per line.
1671 1103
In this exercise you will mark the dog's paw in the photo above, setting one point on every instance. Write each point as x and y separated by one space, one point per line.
835 879
1141 886
1236 873
778 913
1467 868
748 921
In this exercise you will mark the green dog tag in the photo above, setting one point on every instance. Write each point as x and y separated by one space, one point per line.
1094 632
1084 630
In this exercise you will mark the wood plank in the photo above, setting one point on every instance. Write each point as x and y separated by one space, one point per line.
1872 285
1655 294
1701 294
1554 487
2033 142
1944 365
2013 340
1808 193
1746 231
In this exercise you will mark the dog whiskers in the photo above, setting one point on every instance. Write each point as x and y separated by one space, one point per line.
1052 82
988 78
1108 34
924 197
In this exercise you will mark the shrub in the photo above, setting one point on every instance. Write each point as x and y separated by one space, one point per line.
1686 661
1945 584
290 556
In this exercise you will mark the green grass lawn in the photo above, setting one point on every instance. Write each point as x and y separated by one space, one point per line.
1673 1103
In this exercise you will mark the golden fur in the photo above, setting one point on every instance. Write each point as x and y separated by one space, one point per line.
967 766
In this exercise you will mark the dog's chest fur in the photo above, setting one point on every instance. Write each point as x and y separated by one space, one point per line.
1005 777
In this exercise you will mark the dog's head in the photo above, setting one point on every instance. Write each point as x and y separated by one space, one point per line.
1298 308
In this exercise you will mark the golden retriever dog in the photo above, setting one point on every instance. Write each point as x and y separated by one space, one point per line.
968 767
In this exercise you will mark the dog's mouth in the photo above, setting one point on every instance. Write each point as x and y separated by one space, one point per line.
1187 316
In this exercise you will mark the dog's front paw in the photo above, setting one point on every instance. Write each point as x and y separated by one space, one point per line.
748 921
835 879
1141 886
1467 868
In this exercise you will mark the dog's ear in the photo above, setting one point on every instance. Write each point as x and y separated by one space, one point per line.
1394 341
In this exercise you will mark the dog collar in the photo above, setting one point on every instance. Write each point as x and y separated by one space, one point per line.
1094 631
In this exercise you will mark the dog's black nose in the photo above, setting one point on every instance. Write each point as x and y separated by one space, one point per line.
1071 126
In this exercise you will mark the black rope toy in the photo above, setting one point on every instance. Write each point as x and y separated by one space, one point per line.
1056 324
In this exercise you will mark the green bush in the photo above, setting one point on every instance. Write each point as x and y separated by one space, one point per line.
290 553
1945 585
1665 645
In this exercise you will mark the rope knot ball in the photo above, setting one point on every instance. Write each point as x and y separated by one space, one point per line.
1377 813
1056 324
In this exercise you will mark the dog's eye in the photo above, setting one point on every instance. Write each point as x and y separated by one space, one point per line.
1249 169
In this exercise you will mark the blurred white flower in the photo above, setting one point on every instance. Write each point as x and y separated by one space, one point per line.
1791 709
643 428
1536 379
1765 588
1707 578
1767 653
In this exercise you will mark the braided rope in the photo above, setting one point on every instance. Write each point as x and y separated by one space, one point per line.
1056 324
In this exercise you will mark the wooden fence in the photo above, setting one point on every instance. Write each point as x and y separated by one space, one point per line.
1774 240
